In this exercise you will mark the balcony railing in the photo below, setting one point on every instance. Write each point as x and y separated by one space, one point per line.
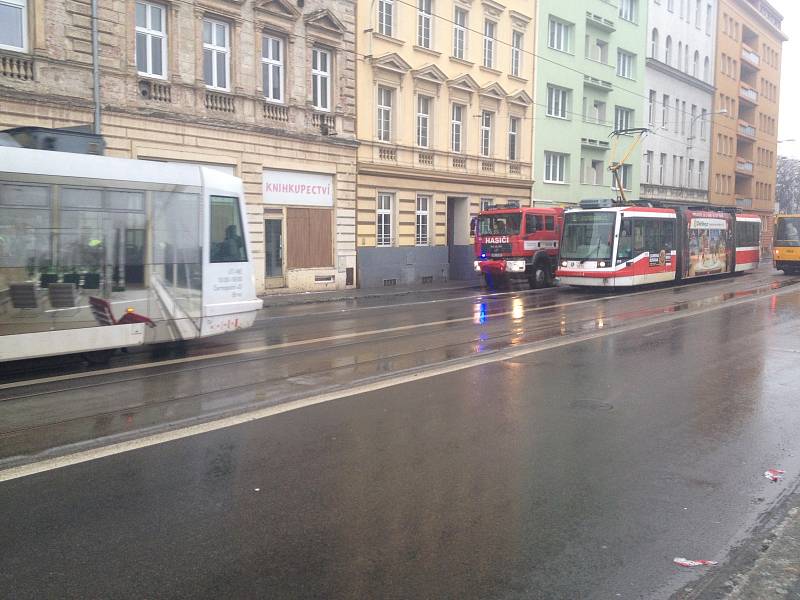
487 166
459 162
744 202
750 56
387 154
219 102
746 129
276 112
325 122
16 66
157 91
425 159
444 162
748 93
744 165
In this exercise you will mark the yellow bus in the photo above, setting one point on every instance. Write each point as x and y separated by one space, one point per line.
786 245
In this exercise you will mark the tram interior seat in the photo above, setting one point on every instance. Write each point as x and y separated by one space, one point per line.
63 295
24 295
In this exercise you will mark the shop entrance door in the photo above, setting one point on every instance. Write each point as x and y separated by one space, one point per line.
273 244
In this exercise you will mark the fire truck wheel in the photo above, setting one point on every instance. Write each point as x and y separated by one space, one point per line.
540 278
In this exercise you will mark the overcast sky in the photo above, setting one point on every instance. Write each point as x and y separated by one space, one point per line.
789 124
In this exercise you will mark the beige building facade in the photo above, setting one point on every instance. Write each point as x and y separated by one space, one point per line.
262 89
747 79
444 126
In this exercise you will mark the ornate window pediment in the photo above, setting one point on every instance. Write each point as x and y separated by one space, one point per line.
519 20
493 8
326 21
391 62
430 73
520 97
278 8
465 83
493 90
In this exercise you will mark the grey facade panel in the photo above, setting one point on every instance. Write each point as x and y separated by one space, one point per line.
408 265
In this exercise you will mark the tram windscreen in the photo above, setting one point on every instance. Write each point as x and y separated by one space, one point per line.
227 237
788 232
588 235
500 224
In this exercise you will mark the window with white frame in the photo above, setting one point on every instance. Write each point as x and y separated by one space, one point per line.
662 168
385 102
708 19
690 174
623 118
701 175
486 132
626 64
698 12
151 38
489 41
665 111
648 166
386 17
422 215
557 98
516 53
627 10
423 121
272 67
513 138
703 114
321 79
555 167
424 23
14 25
456 127
459 33
385 202
216 54
626 175
559 35
651 108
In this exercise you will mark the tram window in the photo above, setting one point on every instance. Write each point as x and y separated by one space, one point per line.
125 200
81 198
668 235
549 223
227 238
625 246
25 195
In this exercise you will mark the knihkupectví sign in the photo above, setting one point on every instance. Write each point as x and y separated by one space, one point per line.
297 188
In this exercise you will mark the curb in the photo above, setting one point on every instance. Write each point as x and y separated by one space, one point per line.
273 300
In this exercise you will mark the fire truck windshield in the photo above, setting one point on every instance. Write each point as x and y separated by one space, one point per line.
500 224
788 231
588 235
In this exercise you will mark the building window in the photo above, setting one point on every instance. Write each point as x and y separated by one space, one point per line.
151 37
698 13
557 102
690 174
665 111
386 17
272 67
651 108
14 25
626 175
555 167
423 210
668 50
216 54
654 43
489 32
385 219
696 65
623 118
662 168
456 127
559 34
486 132
423 121
424 21
513 138
460 33
627 10
648 166
671 5
321 79
385 101
516 53
625 64
708 19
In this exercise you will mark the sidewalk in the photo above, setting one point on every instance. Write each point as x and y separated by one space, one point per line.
285 298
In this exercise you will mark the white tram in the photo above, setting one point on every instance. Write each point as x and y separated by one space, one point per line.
98 253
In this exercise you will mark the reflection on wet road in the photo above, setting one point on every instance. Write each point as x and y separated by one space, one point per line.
575 472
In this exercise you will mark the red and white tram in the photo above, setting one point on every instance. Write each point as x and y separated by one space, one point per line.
622 246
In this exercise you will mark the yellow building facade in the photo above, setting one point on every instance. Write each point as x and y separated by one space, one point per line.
444 123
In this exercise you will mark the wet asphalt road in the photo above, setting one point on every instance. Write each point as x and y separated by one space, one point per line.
574 472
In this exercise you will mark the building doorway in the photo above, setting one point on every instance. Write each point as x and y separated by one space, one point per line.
459 250
273 251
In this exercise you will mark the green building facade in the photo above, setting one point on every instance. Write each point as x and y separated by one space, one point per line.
590 70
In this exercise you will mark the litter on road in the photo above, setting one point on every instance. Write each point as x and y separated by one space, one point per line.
685 562
774 475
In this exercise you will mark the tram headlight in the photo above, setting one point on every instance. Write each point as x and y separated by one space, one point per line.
601 264
563 263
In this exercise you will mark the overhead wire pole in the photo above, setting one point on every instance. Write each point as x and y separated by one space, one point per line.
615 166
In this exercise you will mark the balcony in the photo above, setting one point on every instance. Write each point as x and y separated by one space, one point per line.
157 91
325 122
750 57
598 84
748 94
670 193
744 203
747 131
219 102
744 166
16 66
602 23
276 112
595 144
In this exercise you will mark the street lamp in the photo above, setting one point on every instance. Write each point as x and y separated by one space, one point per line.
690 139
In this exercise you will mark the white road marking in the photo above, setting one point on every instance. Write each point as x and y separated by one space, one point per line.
75 458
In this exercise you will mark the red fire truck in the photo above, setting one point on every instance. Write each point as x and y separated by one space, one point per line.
513 242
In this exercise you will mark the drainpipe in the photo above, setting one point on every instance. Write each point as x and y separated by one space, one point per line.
95 69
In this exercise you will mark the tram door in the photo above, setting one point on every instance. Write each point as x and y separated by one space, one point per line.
273 243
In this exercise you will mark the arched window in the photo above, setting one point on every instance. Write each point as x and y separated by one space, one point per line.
680 56
696 64
686 59
706 69
668 50
654 43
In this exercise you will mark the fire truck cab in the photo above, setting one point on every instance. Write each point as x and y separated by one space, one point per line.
514 242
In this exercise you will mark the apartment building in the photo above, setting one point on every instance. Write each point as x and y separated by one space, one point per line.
747 78
444 128
590 80
263 89
679 106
